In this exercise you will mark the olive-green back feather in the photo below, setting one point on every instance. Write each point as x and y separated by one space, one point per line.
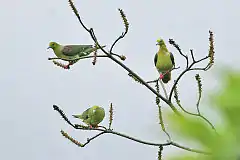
96 115
167 77
80 50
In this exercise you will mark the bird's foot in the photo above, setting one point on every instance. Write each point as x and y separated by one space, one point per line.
66 66
90 126
70 63
161 76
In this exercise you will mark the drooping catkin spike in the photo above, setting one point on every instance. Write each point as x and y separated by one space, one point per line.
211 49
125 21
135 78
110 115
157 89
199 83
95 55
71 139
175 91
73 8
161 118
160 152
59 64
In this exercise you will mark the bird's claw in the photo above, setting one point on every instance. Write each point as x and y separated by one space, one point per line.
66 67
161 76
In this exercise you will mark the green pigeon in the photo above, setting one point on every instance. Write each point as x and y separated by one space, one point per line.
71 52
164 61
92 116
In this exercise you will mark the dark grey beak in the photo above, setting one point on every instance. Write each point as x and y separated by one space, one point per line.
48 47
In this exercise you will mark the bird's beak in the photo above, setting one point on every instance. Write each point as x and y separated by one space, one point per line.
157 44
48 47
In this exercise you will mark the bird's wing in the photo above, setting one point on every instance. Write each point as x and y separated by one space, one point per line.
172 58
72 50
155 59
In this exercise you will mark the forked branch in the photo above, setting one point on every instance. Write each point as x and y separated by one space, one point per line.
109 131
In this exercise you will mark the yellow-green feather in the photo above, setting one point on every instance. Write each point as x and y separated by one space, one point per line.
75 51
164 62
92 116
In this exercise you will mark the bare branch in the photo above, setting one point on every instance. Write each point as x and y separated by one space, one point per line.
126 24
164 89
162 123
76 13
193 59
153 81
56 108
172 42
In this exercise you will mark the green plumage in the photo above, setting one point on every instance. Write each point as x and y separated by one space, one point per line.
164 61
92 116
71 52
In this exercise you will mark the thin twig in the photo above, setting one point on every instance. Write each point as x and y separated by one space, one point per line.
198 115
172 42
123 33
78 16
193 59
164 89
162 123
92 138
55 107
153 81
189 149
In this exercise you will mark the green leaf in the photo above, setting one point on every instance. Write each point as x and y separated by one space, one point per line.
225 144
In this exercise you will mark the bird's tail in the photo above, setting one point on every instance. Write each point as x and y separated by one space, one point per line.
101 46
167 77
78 116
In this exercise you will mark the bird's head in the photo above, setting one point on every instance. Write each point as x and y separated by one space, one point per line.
160 42
53 45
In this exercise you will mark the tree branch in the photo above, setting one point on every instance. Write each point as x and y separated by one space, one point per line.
187 70
92 34
85 57
105 131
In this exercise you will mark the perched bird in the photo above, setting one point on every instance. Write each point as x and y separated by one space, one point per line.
71 52
92 116
164 61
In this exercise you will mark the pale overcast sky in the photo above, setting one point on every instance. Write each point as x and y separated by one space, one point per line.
30 84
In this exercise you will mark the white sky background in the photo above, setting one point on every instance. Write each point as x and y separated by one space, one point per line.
30 84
